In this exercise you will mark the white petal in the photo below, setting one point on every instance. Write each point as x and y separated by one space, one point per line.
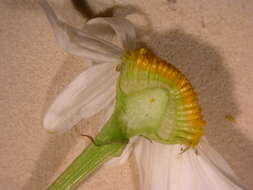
101 31
123 28
90 92
107 115
81 43
125 154
163 167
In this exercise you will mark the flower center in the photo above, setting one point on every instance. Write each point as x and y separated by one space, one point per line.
160 102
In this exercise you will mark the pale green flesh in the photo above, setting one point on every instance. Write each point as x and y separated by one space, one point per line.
135 88
144 111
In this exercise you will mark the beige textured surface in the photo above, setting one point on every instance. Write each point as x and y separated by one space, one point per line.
210 41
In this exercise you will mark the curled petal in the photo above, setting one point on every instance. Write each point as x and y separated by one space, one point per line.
122 27
81 43
130 146
125 154
91 91
101 31
165 167
107 115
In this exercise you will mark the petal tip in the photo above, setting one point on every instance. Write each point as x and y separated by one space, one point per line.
49 123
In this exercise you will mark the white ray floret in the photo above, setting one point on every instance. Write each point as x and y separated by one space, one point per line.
165 167
94 89
89 93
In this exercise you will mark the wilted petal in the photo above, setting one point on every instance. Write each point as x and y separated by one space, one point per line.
164 167
81 43
129 148
123 28
101 31
92 91
125 154
107 115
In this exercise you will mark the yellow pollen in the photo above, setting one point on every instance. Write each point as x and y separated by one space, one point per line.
160 67
231 118
143 51
154 66
50 131
145 63
152 100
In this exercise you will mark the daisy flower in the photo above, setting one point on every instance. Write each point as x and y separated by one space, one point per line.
147 99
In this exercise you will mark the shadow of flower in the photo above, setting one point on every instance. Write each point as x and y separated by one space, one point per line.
58 146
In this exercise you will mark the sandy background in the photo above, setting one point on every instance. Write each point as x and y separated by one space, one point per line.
210 41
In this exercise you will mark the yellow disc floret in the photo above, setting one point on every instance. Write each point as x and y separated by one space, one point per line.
187 119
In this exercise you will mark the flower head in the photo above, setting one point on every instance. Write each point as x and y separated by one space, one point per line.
152 99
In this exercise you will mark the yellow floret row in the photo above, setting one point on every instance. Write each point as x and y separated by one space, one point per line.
189 112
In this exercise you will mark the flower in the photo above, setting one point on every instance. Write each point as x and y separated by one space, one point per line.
162 164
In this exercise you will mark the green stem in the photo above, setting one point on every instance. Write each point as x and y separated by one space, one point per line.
92 157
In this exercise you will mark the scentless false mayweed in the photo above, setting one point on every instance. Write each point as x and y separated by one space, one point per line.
147 99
